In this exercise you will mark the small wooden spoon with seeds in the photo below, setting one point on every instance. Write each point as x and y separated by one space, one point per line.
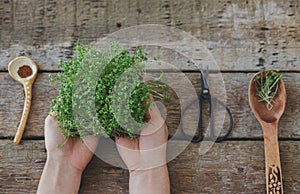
269 121
23 70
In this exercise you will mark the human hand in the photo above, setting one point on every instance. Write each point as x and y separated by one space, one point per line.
145 156
64 165
149 149
75 152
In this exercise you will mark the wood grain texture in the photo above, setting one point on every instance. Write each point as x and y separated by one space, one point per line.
224 169
245 124
242 35
12 100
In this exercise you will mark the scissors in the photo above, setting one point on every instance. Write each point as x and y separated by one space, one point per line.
205 96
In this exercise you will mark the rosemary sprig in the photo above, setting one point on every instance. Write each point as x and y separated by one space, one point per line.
267 86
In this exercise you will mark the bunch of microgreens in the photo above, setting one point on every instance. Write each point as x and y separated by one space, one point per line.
93 92
267 83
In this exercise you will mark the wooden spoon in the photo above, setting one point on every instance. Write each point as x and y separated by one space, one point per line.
14 68
269 121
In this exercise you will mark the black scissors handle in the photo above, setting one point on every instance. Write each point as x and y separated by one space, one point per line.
199 135
212 127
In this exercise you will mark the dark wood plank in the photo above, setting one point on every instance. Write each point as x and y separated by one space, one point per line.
229 167
242 35
245 124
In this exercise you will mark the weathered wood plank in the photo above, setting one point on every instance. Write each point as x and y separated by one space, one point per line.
229 167
43 30
245 124
12 101
242 35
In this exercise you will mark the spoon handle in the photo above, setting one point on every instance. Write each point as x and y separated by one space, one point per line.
272 157
28 95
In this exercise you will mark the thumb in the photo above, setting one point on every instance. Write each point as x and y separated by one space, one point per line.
127 143
91 142
156 121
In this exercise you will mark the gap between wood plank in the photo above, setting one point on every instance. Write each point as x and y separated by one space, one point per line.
183 71
29 138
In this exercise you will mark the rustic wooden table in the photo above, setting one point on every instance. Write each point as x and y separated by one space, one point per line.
244 36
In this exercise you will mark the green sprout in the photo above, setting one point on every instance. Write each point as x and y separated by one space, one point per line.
95 97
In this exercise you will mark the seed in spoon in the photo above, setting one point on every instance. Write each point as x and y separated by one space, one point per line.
24 71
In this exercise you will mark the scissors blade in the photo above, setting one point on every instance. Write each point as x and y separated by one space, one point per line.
205 87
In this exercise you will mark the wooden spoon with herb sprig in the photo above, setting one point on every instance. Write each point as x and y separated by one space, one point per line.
267 98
